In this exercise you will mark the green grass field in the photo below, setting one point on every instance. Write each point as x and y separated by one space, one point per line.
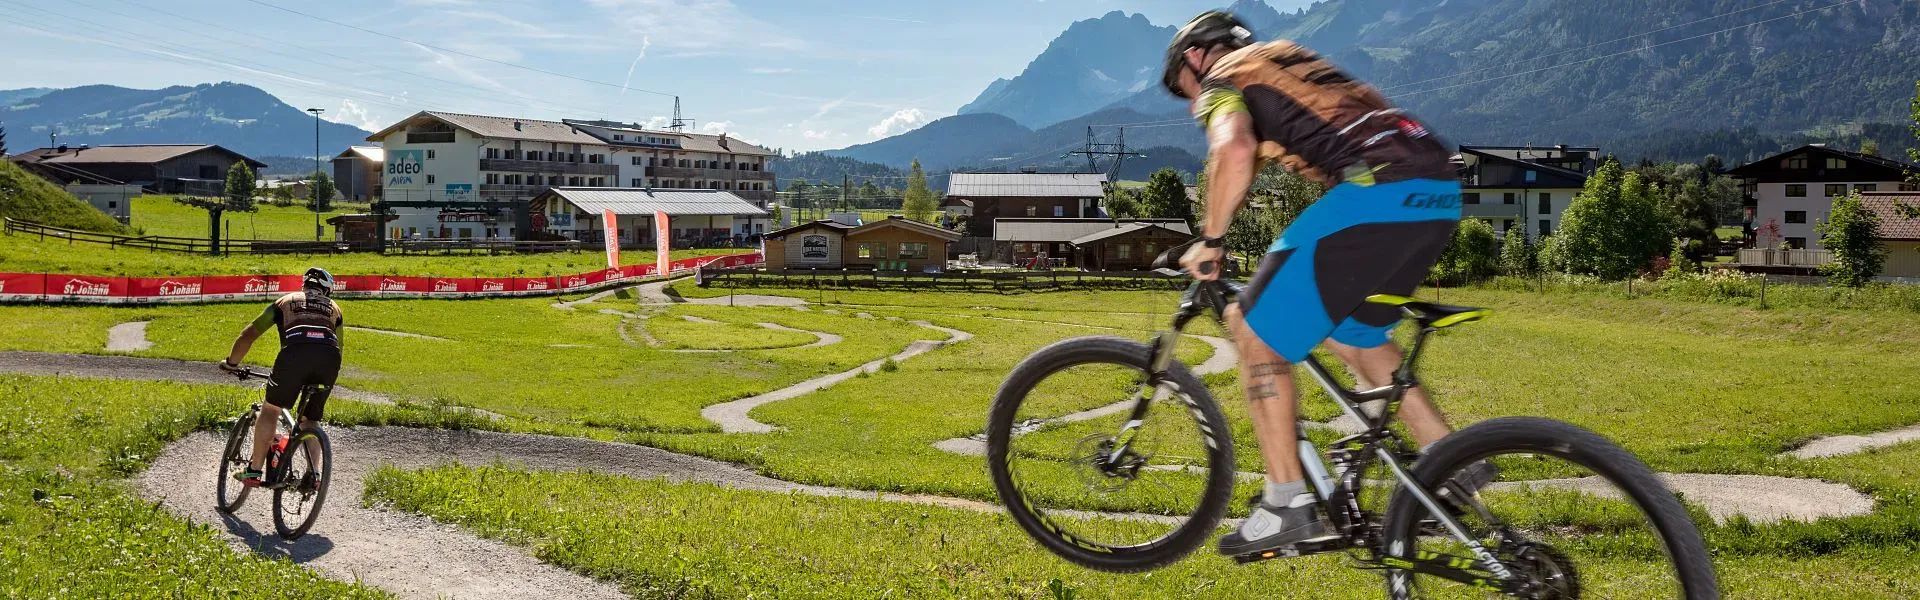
1690 381
160 215
28 254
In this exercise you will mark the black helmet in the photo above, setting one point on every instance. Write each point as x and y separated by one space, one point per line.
318 278
1211 28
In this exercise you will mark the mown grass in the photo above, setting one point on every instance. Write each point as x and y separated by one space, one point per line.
668 540
69 527
721 333
29 254
160 215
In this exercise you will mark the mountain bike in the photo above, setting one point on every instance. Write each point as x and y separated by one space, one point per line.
1164 452
299 465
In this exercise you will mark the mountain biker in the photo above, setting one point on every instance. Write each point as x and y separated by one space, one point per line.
1392 203
309 324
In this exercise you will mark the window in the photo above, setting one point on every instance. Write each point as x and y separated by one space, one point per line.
636 182
1470 197
1059 211
1834 190
1532 176
683 163
873 250
1910 187
429 178
1546 227
619 138
913 249
1796 216
1797 243
699 164
1031 210
1506 225
493 153
493 178
1797 162
636 161
1866 187
113 204
1123 251
1796 190
1836 163
429 154
1546 203
1506 198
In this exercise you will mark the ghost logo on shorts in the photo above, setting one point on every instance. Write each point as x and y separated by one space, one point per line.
1431 201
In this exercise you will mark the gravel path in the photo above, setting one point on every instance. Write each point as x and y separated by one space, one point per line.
732 416
128 337
655 293
1838 445
1762 498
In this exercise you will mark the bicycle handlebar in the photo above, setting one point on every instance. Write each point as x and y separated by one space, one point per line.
244 372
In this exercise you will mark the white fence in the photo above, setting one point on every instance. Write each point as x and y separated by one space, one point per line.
1762 257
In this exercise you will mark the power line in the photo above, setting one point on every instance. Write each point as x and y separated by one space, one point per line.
460 53
1623 52
1524 60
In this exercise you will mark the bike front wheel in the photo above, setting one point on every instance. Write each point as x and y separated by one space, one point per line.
229 494
1572 515
303 490
1089 483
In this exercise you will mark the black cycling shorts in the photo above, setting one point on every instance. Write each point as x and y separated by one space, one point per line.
298 366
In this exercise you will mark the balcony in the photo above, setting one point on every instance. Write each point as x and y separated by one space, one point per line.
544 166
1491 211
1763 257
429 137
721 174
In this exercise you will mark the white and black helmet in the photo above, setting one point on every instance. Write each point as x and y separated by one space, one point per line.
318 278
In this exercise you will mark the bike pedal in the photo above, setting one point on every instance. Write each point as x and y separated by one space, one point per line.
1293 550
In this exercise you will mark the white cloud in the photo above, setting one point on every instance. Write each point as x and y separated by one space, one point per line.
901 121
716 127
816 135
657 122
352 113
770 70
696 25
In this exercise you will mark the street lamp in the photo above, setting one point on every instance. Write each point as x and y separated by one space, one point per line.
315 184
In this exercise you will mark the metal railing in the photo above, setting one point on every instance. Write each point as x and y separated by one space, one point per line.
480 246
708 173
547 166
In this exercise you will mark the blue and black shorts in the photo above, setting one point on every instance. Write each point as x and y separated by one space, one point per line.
1356 241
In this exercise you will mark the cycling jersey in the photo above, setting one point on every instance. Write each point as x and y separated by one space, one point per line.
303 321
1316 121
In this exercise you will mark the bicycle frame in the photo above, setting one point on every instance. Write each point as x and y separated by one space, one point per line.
1338 492
295 435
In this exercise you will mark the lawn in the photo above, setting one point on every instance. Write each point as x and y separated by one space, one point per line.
1690 381
28 254
160 215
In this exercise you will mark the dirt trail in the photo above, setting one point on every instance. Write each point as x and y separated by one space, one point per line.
732 416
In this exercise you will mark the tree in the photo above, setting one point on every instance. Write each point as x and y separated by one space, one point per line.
1612 229
1121 203
1852 234
1681 260
1870 147
869 195
1471 255
322 193
240 187
919 203
1166 196
1517 257
1689 214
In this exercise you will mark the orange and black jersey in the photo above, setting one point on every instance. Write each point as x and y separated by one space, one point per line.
1318 122
303 320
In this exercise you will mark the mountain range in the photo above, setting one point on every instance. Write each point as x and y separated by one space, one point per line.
1638 78
240 117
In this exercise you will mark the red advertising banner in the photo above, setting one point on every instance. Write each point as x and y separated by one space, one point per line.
611 231
20 287
662 231
37 287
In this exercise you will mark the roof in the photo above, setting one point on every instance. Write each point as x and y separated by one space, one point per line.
1067 230
498 127
1894 222
674 202
1770 165
372 153
1029 185
1125 229
123 153
1578 177
830 224
909 225
700 142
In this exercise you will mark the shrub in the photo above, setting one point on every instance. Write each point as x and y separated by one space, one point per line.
1472 255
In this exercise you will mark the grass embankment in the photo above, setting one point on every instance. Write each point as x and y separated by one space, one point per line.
26 197
26 254
160 215
69 528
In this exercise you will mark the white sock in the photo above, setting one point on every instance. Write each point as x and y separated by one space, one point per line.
1286 494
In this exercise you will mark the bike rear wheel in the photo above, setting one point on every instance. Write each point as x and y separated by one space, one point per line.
229 493
1053 473
297 502
1573 514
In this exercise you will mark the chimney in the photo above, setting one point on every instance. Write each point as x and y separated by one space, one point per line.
516 125
723 140
62 149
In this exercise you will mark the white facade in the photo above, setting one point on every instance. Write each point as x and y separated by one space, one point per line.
1795 208
1539 210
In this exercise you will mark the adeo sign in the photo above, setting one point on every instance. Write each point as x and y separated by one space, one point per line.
404 165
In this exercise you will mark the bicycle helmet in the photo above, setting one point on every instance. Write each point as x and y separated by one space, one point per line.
1211 28
318 278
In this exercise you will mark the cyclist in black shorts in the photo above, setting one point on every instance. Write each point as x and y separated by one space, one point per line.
1391 204
309 324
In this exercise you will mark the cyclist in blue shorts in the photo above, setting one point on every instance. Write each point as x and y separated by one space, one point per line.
1391 205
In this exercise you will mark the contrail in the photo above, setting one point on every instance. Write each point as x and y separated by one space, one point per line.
644 42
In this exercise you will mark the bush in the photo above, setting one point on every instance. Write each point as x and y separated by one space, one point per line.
1472 255
1518 257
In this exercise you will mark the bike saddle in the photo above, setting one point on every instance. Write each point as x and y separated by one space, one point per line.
1428 314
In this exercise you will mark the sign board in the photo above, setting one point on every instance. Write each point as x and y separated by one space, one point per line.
403 166
663 230
460 192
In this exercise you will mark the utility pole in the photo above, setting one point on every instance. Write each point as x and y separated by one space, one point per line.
678 123
315 184
1117 150
846 185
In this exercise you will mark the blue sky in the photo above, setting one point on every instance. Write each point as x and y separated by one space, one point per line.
797 74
